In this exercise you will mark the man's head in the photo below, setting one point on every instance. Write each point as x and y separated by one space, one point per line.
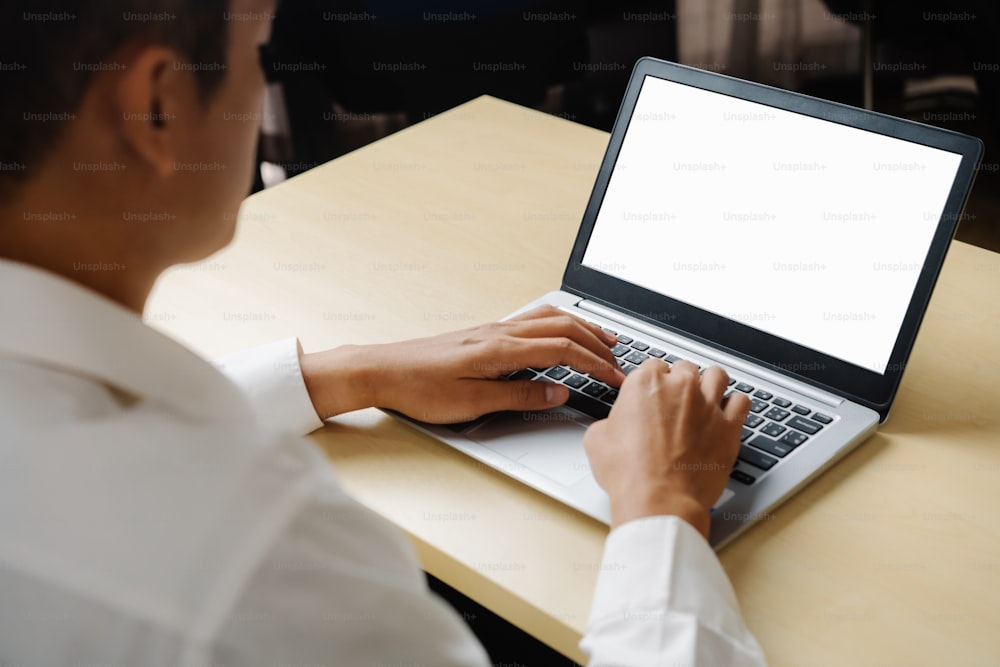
128 131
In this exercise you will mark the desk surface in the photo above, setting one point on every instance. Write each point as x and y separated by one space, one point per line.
890 558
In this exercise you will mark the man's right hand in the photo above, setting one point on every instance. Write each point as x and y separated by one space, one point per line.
669 443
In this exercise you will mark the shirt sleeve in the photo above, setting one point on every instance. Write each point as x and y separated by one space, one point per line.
662 598
271 377
342 586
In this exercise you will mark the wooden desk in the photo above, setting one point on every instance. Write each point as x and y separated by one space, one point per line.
891 558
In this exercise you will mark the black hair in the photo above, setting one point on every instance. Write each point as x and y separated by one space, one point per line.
48 56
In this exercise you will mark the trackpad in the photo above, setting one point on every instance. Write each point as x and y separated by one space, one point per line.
549 443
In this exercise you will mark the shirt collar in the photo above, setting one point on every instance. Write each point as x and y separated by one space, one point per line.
47 319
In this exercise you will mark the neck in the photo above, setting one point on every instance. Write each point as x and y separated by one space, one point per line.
79 249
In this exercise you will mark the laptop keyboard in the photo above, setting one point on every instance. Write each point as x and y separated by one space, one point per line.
774 428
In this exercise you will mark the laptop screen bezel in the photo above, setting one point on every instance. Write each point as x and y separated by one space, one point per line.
844 379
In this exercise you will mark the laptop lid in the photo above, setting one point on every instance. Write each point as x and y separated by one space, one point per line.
800 234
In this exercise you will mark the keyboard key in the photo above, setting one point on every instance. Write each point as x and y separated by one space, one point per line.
763 395
577 381
742 477
628 368
610 396
525 374
777 414
794 438
756 405
782 402
745 434
822 419
639 345
671 358
801 409
753 421
804 425
779 449
610 331
557 372
595 389
744 387
655 352
732 381
621 362
773 430
623 339
755 458
587 405
619 349
636 358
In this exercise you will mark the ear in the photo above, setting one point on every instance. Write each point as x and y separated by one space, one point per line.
150 98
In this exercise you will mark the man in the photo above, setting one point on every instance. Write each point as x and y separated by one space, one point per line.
152 512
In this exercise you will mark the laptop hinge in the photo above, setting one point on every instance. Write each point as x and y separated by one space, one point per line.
710 353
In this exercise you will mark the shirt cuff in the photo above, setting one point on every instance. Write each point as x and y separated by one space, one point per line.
659 569
270 376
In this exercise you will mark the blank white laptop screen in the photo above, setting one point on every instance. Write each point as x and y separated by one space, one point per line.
803 228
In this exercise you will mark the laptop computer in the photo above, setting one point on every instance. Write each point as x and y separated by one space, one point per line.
792 241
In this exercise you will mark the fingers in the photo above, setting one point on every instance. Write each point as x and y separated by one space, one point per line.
736 407
546 313
684 367
494 395
714 382
545 352
566 326
535 313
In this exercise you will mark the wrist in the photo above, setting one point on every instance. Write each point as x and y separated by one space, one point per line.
661 504
338 380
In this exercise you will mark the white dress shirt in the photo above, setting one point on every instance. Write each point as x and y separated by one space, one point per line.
155 513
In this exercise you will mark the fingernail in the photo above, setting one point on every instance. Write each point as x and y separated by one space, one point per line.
554 393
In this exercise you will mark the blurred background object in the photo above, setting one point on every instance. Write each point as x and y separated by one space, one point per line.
350 72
